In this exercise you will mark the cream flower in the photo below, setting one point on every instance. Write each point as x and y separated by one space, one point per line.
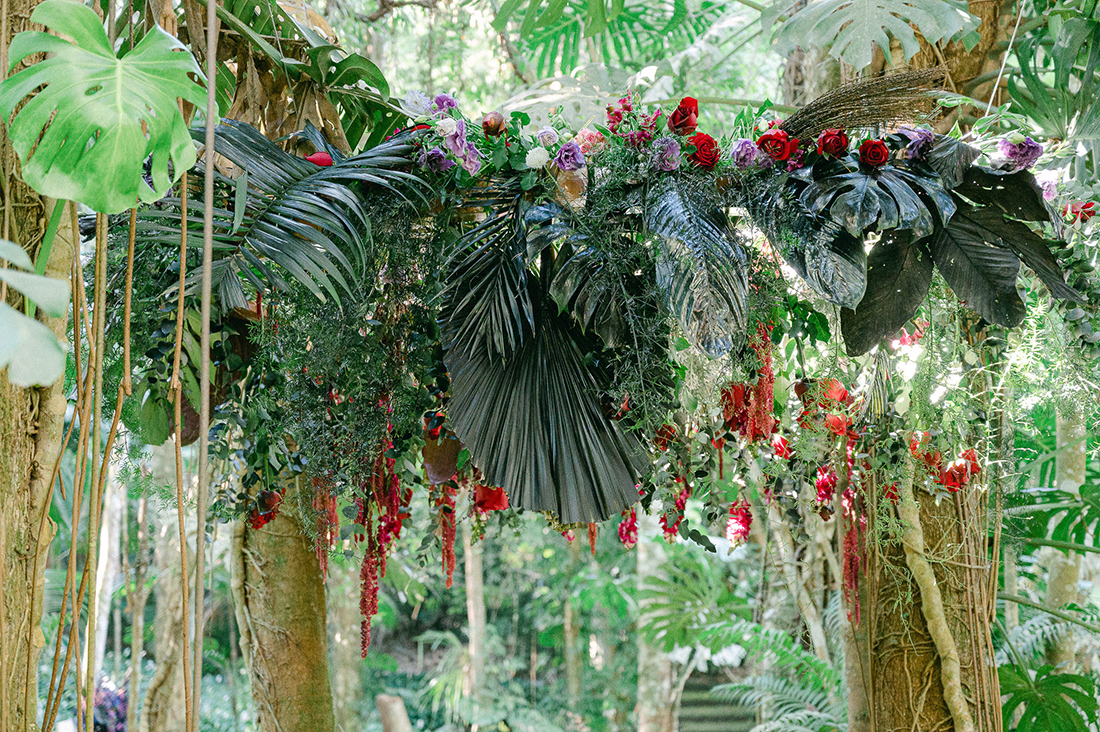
537 157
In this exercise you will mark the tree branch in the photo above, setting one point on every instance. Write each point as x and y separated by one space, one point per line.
386 6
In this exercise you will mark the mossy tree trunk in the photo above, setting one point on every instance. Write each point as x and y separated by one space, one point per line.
279 595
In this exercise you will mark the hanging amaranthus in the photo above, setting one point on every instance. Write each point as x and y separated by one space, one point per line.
443 499
328 522
748 408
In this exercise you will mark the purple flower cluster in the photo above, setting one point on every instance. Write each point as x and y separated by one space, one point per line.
1021 153
920 142
746 154
666 154
455 143
110 707
442 104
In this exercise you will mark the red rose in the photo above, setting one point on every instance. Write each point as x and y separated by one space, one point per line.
666 433
777 144
1079 211
488 498
684 119
706 150
874 153
832 142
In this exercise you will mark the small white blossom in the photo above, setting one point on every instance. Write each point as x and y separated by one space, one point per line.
418 103
537 157
446 126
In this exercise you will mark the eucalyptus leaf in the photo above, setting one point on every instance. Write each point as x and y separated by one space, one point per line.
95 119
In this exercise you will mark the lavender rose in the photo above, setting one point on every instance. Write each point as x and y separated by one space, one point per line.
1020 151
547 137
920 142
569 157
471 161
745 154
435 160
666 154
456 140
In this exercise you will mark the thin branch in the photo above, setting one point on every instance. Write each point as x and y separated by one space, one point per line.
1049 611
387 6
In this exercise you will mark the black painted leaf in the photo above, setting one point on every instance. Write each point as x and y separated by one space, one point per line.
981 273
951 159
1017 194
838 271
1025 243
702 269
942 204
534 425
899 271
587 286
853 199
912 213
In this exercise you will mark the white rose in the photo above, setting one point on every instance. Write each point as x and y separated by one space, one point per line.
537 157
446 126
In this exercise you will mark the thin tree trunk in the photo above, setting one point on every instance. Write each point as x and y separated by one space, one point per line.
137 599
109 565
282 603
571 632
343 625
1065 568
654 705
163 709
475 612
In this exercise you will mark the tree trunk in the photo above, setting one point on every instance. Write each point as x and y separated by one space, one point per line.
281 615
110 564
571 632
31 421
163 709
137 598
344 617
1065 568
654 706
475 612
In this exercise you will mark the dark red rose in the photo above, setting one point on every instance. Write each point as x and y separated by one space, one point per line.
493 124
266 508
832 142
1078 212
487 498
666 433
706 150
683 121
874 153
320 158
777 144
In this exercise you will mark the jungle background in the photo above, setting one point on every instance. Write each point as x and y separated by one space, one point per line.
613 630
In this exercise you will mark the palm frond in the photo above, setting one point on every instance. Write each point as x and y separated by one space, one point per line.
703 268
282 210
782 696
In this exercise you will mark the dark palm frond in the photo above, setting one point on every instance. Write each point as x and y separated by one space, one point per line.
523 399
282 210
831 261
587 285
534 425
703 268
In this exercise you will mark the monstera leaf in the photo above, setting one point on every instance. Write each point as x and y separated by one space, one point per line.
882 198
982 274
30 350
951 159
832 262
703 269
95 119
852 28
899 271
1050 700
586 286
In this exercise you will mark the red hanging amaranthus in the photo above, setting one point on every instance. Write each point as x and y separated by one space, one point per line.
592 529
444 502
739 522
855 523
680 504
748 408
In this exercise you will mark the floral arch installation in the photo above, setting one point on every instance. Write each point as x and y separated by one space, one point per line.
505 302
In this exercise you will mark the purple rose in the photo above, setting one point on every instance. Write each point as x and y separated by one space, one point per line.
435 160
1020 152
920 142
471 160
569 157
442 103
456 141
746 154
666 154
547 137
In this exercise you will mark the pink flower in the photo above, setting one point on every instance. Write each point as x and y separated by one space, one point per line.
739 522
628 528
591 141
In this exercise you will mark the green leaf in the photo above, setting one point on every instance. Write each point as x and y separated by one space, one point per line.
49 294
850 29
355 68
240 199
1047 700
15 254
84 124
31 352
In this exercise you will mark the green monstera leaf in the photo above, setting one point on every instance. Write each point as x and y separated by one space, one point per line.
81 136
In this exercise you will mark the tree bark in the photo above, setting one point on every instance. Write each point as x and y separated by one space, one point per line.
571 632
654 706
110 564
344 617
281 601
31 421
1065 568
163 708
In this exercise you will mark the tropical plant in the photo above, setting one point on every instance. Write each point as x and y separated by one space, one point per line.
1049 700
96 118
29 350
